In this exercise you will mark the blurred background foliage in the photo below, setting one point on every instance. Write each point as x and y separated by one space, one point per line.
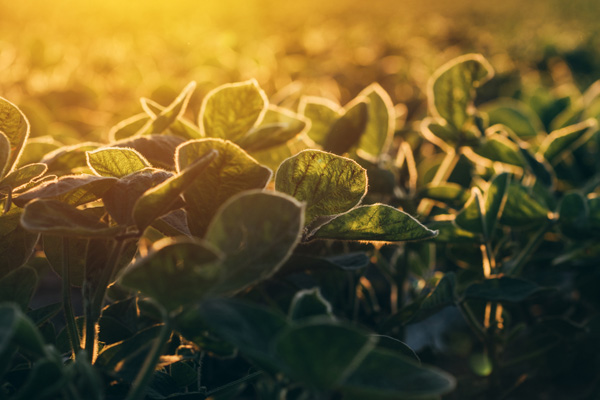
77 68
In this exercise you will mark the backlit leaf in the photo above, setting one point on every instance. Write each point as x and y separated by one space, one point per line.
521 208
170 114
329 184
515 115
442 296
15 126
73 190
16 244
471 216
322 113
379 130
23 175
451 89
160 199
231 110
67 158
449 232
116 162
257 242
566 139
181 127
504 290
497 147
449 193
231 172
175 271
128 127
57 218
348 129
4 153
159 150
309 303
36 148
376 222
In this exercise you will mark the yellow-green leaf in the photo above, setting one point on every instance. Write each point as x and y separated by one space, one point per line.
322 113
116 162
566 139
4 153
379 131
15 127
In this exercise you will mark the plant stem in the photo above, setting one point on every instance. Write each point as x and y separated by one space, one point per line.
94 308
516 267
138 388
468 315
72 332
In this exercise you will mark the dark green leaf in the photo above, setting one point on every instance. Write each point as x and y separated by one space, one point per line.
449 232
231 110
538 166
503 290
471 217
121 198
522 209
442 135
53 249
375 222
231 172
346 131
566 139
159 150
45 380
322 113
516 115
379 131
56 218
68 158
309 303
391 344
160 199
14 125
573 216
442 296
17 330
329 184
16 244
452 88
277 127
386 375
257 231
175 272
112 355
74 190
44 313
312 357
18 286
498 147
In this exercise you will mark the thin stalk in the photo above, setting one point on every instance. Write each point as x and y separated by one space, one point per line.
72 332
94 309
139 386
234 383
471 319
516 267
441 175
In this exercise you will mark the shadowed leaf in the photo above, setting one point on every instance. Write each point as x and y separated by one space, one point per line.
170 114
322 113
277 127
128 127
231 172
159 150
53 249
521 208
451 194
16 244
347 130
566 139
504 290
18 286
309 303
23 175
67 158
515 115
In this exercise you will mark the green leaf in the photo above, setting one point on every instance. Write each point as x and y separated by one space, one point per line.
57 218
160 199
181 127
53 249
112 355
309 303
36 148
14 125
277 127
116 162
387 375
4 153
442 296
68 158
503 290
312 357
442 135
322 113
449 232
329 184
573 216
396 346
74 190
231 110
379 130
17 330
175 272
121 198
451 89
250 328
128 127
498 147
18 286
257 231
471 217
516 115
375 222
594 213
16 244
170 114
347 130
521 209
561 141
23 175
231 172
449 193
159 150
538 166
